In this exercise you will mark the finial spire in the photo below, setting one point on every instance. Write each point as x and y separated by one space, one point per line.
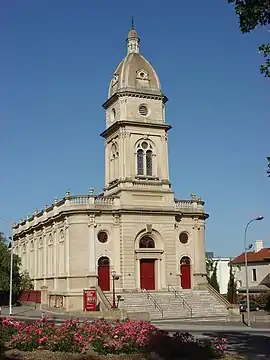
133 39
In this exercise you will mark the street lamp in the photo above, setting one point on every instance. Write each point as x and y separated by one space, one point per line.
11 270
11 273
246 266
114 277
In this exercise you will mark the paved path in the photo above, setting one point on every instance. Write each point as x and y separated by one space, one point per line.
251 343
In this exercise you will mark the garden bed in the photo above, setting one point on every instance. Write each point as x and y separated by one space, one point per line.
127 340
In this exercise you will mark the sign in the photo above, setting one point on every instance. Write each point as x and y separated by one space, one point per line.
89 300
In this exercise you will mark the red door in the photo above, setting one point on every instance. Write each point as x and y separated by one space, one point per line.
147 274
185 276
104 273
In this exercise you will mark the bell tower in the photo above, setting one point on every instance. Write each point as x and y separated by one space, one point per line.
136 142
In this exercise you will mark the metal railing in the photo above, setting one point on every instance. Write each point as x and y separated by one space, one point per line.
217 295
177 295
151 297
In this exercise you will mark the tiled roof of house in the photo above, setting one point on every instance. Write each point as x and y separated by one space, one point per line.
252 256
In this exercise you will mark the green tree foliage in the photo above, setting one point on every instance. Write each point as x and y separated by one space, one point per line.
213 279
251 14
26 282
5 267
209 268
268 171
231 293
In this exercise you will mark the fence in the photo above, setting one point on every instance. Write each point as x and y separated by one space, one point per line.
30 296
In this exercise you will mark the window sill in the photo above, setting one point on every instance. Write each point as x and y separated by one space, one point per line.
143 177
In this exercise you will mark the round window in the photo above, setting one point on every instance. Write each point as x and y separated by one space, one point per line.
143 110
144 145
183 237
102 237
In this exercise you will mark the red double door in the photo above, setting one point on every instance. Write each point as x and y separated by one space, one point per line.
147 274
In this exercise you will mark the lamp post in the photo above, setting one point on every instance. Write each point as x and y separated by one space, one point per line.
11 274
114 277
11 270
246 266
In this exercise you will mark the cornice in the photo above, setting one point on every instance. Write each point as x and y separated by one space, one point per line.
121 123
132 93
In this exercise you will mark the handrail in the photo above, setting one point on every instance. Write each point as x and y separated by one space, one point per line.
103 298
177 294
151 297
218 295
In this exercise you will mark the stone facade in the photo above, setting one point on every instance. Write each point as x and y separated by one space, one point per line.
136 228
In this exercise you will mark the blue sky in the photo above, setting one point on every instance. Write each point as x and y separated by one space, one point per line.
57 58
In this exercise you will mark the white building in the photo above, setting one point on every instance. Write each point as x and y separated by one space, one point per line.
223 272
258 269
137 227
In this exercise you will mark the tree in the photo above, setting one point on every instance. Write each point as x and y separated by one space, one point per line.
268 171
26 282
251 14
231 293
213 279
5 267
209 268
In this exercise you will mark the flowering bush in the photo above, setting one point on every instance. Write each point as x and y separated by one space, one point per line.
125 337
184 345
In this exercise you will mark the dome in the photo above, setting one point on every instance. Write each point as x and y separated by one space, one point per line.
132 34
134 73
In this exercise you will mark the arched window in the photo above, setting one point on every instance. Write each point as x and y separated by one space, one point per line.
147 242
144 153
149 155
104 261
140 162
185 260
114 162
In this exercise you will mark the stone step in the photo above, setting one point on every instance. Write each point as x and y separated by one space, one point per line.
202 303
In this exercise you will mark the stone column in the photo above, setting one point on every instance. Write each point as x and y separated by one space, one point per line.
45 256
199 252
44 298
55 256
36 260
107 164
116 242
67 251
92 250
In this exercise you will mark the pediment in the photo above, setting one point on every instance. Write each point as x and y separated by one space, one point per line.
142 74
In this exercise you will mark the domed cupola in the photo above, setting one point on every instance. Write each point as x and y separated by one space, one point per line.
134 73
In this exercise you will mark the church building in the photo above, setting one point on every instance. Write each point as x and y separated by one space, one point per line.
136 229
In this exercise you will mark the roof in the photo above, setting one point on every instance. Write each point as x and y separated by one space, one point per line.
134 73
260 256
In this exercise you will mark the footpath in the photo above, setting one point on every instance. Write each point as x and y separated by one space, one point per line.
32 313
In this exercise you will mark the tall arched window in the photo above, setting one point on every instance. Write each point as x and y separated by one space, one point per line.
140 162
114 162
144 153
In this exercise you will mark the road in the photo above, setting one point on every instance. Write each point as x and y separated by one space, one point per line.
251 343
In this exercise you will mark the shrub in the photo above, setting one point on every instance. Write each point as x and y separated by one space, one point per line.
184 345
126 337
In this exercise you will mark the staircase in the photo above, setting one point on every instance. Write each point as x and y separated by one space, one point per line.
173 304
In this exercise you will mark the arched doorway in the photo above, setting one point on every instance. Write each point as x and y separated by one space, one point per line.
104 273
147 266
185 273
